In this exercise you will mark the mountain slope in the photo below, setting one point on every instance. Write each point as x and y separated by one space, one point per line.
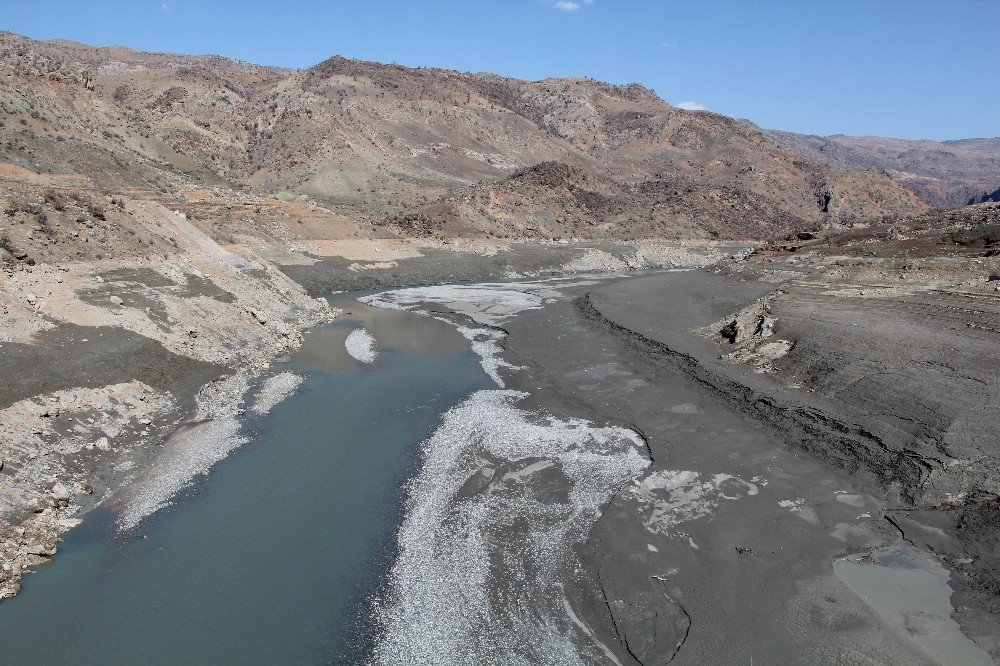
373 142
943 173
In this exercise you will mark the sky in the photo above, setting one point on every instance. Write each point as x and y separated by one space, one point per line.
910 69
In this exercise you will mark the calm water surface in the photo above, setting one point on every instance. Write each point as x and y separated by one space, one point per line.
270 558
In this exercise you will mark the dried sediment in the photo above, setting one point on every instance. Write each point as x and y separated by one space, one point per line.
893 386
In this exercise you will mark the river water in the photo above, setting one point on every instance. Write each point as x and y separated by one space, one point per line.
273 556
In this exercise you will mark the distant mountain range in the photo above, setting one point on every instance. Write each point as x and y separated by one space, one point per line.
944 173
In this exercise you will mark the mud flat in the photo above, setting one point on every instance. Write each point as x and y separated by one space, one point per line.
887 392
343 267
736 524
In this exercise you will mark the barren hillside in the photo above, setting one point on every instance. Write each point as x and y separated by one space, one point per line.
359 142
943 173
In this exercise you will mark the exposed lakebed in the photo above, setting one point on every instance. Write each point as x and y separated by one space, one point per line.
426 496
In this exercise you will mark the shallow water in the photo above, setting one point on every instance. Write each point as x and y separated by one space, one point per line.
272 557
909 589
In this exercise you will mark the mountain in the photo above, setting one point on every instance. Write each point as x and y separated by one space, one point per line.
358 143
553 200
943 173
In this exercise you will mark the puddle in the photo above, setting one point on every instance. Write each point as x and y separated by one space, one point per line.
909 589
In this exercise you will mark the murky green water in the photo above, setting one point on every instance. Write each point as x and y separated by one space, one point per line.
270 559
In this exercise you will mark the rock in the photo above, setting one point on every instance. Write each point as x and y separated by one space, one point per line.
766 327
20 255
115 300
102 444
61 492
30 298
259 316
145 421
42 548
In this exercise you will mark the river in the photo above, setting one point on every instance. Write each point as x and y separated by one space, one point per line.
273 556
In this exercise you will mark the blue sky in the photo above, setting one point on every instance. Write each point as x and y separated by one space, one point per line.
914 69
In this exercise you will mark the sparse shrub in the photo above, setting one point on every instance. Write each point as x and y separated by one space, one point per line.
98 210
7 244
42 219
57 199
19 206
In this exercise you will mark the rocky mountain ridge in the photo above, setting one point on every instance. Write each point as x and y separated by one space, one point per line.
366 142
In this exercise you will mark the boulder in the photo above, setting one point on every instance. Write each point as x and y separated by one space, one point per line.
42 548
61 496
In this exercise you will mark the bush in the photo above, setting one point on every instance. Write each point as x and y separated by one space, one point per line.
57 199
98 210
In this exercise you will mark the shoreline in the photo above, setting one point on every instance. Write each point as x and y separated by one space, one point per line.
107 359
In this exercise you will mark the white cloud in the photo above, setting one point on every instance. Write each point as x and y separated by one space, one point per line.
668 45
691 106
567 5
165 7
